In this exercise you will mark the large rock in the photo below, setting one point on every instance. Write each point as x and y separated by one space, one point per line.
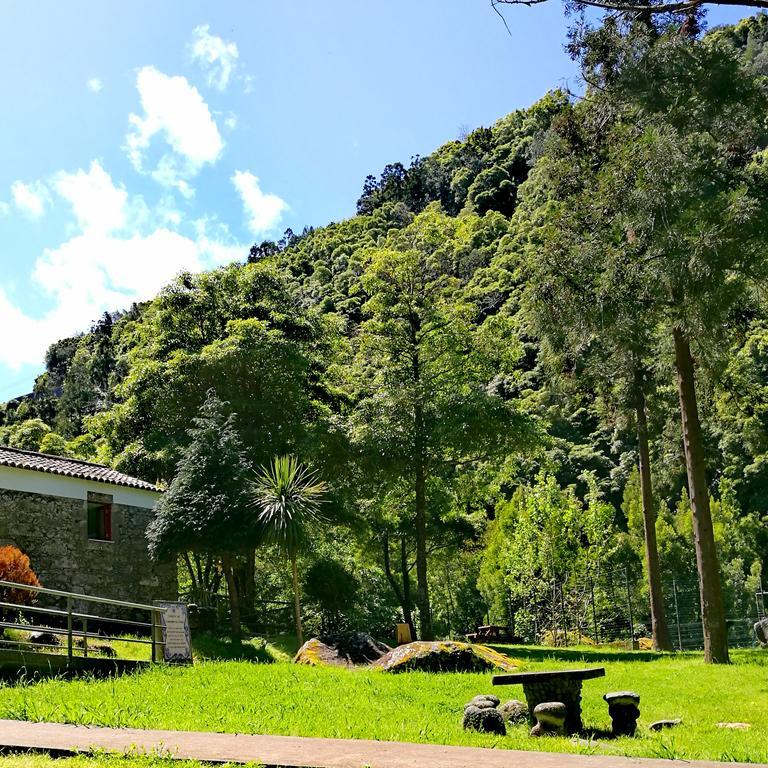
444 656
514 712
550 719
484 701
356 647
44 638
485 720
761 631
340 651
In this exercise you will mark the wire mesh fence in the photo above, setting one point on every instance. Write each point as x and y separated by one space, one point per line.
613 608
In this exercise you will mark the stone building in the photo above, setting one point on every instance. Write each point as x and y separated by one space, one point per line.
83 526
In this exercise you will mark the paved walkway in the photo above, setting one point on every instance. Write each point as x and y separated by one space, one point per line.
300 752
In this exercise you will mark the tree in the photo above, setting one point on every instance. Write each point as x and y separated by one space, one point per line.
287 496
206 509
657 7
671 213
28 435
333 589
425 414
603 335
541 537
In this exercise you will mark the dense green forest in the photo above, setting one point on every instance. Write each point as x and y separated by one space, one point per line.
473 361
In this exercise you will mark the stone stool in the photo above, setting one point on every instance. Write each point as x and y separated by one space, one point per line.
624 711
550 719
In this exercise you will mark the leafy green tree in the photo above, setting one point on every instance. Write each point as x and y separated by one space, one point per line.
424 412
663 7
54 444
671 221
333 589
543 535
287 497
601 335
28 435
205 508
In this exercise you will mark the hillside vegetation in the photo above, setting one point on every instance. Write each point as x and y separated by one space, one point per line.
438 328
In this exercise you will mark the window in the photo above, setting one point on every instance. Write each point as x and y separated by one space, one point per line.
99 516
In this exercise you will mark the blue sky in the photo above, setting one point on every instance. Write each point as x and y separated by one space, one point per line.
142 138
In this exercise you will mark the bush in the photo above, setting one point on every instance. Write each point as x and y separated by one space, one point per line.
333 590
15 567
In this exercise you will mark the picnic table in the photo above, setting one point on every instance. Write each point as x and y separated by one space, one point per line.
493 632
561 685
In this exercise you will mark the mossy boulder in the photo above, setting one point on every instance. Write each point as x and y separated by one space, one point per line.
340 651
316 654
444 656
356 647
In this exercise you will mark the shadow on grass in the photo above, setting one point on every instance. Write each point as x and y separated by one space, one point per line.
210 647
582 654
287 644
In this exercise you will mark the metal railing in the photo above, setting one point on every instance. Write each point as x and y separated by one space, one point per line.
69 617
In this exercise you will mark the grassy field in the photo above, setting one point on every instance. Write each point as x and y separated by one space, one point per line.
281 698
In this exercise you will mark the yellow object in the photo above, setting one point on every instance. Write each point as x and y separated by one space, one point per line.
403 634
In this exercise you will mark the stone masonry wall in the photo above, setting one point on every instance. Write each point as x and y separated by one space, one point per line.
53 531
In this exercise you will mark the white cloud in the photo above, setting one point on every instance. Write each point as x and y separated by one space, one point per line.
5 209
217 57
121 251
97 203
30 199
95 84
264 210
174 109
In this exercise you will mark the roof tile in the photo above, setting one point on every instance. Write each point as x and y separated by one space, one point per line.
59 465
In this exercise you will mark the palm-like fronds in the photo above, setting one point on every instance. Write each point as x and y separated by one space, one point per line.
287 496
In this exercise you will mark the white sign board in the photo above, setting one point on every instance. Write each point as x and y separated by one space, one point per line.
176 637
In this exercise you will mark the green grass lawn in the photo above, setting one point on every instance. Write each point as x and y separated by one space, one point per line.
281 698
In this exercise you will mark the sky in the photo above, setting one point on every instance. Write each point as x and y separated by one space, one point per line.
141 139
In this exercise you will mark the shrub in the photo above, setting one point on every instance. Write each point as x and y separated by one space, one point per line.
332 589
15 566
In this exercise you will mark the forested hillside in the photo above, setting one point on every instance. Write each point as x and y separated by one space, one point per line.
454 357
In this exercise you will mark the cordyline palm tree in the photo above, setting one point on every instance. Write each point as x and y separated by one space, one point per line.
287 496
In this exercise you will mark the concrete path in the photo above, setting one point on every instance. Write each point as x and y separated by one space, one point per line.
300 752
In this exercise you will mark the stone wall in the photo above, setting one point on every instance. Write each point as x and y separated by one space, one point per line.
53 531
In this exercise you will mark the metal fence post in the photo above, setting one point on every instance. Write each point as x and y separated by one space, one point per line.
677 616
629 609
158 647
594 609
565 617
69 631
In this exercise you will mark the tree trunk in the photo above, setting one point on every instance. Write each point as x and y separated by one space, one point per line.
403 595
659 627
407 600
249 585
234 598
420 487
712 612
422 585
296 600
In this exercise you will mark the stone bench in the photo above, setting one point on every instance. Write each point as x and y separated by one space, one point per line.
561 685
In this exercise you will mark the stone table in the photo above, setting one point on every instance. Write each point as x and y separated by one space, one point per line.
562 685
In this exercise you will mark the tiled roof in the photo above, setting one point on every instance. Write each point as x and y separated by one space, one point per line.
58 465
